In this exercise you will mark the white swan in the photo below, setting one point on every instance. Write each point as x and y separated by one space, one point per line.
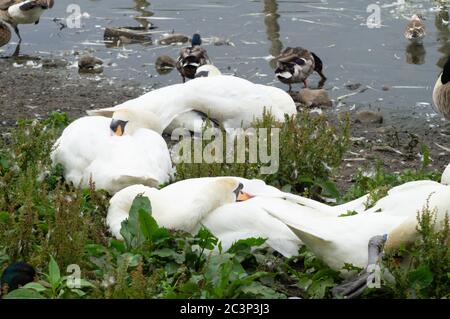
230 100
88 148
341 240
233 221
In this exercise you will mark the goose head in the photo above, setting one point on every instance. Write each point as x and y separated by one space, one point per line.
16 275
445 76
207 70
128 121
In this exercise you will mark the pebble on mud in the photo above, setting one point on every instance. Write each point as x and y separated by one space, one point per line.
369 117
314 98
90 64
164 64
173 38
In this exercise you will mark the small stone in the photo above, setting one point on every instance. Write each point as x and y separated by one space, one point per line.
385 129
369 117
173 39
353 86
315 98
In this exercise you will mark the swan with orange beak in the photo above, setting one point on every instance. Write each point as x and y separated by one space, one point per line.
251 210
114 153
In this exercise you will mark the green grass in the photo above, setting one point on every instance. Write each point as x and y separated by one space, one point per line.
53 225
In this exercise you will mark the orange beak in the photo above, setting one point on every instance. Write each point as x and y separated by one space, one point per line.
243 197
118 131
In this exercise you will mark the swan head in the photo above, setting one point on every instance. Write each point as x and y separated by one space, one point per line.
445 179
207 70
16 275
225 190
128 121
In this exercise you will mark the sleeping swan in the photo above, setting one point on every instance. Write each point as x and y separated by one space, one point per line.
231 221
229 100
341 240
115 153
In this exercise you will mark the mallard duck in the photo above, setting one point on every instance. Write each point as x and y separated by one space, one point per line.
114 153
229 100
16 275
295 65
441 92
5 34
415 29
191 58
15 12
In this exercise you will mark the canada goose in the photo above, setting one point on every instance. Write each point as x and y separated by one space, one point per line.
295 65
114 153
15 12
441 92
191 58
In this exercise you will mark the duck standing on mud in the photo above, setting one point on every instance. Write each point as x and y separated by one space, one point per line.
295 65
15 12
191 58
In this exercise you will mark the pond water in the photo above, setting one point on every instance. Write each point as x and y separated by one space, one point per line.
335 30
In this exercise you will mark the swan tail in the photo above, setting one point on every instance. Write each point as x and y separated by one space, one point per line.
123 181
310 238
106 112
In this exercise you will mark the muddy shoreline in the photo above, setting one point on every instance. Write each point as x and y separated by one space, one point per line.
30 91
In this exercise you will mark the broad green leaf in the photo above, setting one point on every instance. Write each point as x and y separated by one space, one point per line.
54 275
35 286
23 293
422 277
148 224
206 239
95 250
246 245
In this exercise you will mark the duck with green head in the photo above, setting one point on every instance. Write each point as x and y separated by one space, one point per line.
191 58
16 275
